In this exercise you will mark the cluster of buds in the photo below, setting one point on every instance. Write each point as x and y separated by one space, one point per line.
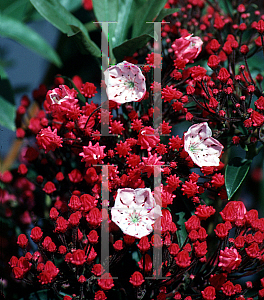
135 211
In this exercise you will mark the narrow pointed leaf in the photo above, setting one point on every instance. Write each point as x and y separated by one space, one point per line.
181 232
62 19
16 30
146 13
129 47
7 114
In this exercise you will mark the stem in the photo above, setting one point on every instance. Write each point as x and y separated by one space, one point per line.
99 107
262 41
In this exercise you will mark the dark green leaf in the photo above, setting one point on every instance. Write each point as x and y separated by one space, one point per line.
7 102
235 173
181 232
24 35
71 5
18 9
122 12
6 90
5 3
7 114
41 295
146 13
149 27
165 12
91 26
129 47
106 10
62 19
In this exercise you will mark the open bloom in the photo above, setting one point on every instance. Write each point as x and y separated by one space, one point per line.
61 94
187 48
135 211
229 259
124 83
203 149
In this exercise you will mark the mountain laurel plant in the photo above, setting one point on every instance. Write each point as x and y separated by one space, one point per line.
157 208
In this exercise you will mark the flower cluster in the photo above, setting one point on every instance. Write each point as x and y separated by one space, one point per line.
136 211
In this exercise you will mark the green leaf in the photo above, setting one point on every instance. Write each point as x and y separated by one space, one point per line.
235 173
122 12
27 37
181 232
149 27
18 9
5 3
165 12
62 19
42 295
6 90
129 47
7 102
106 10
71 5
146 13
7 114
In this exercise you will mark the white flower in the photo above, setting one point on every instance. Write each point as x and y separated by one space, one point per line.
203 149
135 211
124 83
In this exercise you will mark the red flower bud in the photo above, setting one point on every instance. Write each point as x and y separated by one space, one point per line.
136 279
22 241
36 234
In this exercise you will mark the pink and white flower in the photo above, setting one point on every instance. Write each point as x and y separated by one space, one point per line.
124 83
187 48
135 211
203 149
61 94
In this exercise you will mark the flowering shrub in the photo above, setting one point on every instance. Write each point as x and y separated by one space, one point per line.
152 209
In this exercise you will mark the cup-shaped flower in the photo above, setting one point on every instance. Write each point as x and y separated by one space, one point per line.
61 94
187 48
203 149
124 83
135 211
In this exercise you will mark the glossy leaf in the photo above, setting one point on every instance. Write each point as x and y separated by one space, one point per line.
127 16
181 232
71 5
129 47
7 102
235 173
16 30
65 22
146 13
18 9
121 13
149 27
7 114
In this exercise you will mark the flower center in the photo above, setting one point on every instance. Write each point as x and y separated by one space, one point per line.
131 84
195 147
135 217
